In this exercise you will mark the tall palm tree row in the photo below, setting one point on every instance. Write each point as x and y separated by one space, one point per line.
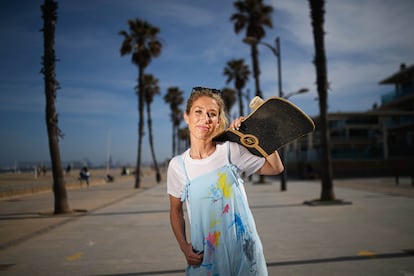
143 44
151 88
175 98
49 15
317 13
236 70
252 16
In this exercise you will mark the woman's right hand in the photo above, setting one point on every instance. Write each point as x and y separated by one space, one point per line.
236 123
192 257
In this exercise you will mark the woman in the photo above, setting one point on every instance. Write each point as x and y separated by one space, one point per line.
207 176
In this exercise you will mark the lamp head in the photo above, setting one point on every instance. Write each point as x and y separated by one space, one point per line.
250 40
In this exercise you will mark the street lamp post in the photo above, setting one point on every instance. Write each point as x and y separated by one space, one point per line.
276 51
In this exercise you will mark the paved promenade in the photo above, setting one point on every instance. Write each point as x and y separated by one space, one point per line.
118 230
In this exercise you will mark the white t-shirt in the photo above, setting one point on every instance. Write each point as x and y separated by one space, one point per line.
239 156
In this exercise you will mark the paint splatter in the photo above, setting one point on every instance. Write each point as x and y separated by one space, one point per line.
213 220
366 253
240 230
224 185
226 209
248 249
215 194
213 239
74 257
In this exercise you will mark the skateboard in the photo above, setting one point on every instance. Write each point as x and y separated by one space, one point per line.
272 124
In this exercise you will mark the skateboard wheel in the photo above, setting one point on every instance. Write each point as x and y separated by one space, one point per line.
255 102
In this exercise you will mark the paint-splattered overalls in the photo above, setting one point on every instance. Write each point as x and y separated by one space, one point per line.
222 225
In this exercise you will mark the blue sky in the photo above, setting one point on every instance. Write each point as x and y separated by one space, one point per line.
366 41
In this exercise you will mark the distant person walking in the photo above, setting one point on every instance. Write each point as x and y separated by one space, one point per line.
84 175
68 169
44 170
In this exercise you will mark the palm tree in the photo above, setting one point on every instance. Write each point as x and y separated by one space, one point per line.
49 10
175 98
236 70
151 89
142 43
317 9
229 98
252 16
183 136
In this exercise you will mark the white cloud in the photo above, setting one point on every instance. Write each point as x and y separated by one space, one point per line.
352 26
367 26
365 42
293 21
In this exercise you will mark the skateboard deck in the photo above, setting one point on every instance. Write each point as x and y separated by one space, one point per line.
272 124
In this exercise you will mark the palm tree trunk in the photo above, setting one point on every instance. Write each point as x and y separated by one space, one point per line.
151 142
241 106
173 139
140 126
317 17
51 85
256 73
256 69
61 204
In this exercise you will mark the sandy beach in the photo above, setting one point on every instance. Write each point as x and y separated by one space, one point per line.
26 183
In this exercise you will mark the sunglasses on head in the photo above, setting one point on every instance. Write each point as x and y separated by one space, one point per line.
199 88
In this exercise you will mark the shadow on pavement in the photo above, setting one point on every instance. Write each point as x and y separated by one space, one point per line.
403 254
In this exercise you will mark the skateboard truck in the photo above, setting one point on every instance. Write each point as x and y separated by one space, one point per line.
256 102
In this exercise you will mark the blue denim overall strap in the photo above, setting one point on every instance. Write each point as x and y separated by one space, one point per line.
184 193
222 225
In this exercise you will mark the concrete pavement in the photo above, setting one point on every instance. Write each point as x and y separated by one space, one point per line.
126 232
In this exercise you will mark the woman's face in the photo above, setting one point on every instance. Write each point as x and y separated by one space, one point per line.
203 118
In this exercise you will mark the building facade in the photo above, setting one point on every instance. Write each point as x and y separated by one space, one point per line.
379 142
